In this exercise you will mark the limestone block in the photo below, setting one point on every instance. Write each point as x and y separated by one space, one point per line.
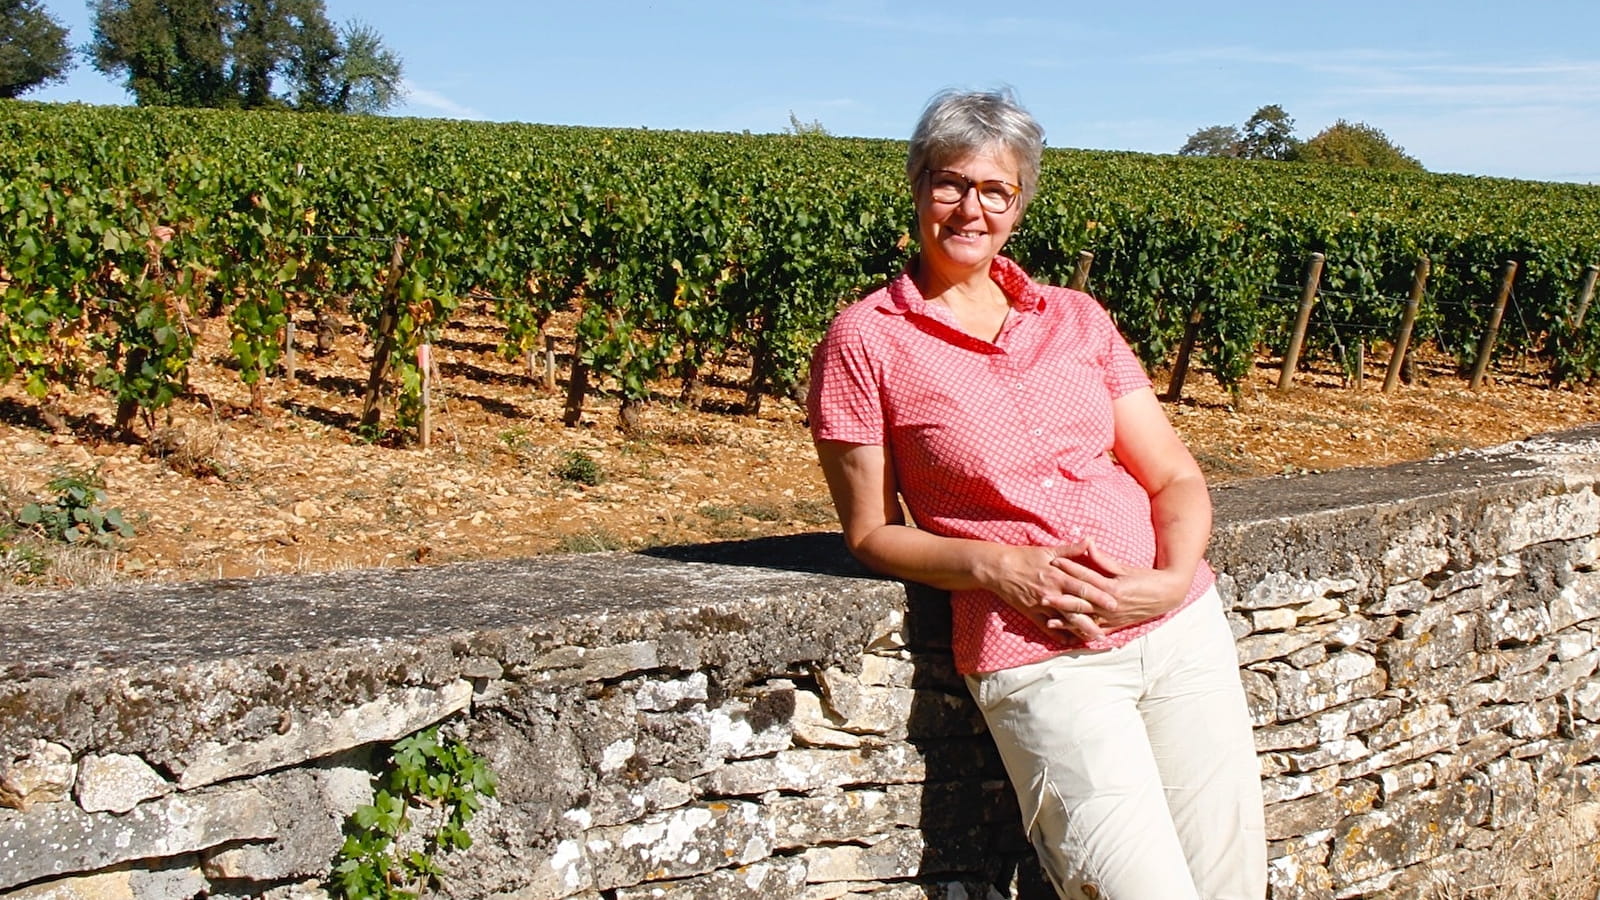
897 855
302 848
778 879
1552 679
1354 718
1286 737
1525 625
1485 720
1469 602
1282 589
1307 657
1300 876
897 712
1558 517
311 736
1345 676
814 725
43 774
1451 681
1512 793
1317 812
903 669
1577 601
57 839
1407 596
1319 608
1280 618
181 882
1405 779
1279 790
693 840
1573 644
663 695
1408 726
1261 696
1414 554
1521 660
807 770
837 816
1536 720
117 782
1330 753
1445 737
553 872
1588 701
99 886
1406 660
1378 843
579 665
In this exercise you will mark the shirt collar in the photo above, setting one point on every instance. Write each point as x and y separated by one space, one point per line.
1024 294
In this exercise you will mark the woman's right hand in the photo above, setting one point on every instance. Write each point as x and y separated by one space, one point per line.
1030 582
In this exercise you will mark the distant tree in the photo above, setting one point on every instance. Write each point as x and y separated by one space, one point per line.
33 48
1356 144
242 54
364 78
797 127
1215 140
1269 134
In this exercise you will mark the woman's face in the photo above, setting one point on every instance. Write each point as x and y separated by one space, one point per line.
961 238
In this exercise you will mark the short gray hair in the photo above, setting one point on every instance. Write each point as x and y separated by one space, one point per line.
958 123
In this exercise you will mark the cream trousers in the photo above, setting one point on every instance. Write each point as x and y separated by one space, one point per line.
1135 767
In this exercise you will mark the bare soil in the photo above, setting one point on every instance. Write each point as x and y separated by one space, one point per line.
224 492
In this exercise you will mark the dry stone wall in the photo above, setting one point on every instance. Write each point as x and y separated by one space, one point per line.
761 719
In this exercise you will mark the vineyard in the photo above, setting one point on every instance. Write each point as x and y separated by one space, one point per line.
666 254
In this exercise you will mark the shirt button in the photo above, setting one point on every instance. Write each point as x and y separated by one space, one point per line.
1049 482
1038 431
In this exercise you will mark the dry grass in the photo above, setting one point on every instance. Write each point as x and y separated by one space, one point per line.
1555 860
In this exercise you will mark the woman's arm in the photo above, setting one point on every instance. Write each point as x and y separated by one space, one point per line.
1180 512
861 480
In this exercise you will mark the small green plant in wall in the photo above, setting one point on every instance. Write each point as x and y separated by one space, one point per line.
425 770
78 513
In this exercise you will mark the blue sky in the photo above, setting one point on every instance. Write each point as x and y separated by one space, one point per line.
1485 88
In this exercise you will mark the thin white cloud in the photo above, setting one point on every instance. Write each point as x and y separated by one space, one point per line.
437 103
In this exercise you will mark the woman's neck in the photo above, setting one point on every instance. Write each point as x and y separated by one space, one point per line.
978 304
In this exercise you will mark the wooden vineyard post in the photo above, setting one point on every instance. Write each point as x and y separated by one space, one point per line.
577 387
387 320
1180 367
1486 348
1297 337
1080 272
425 421
1585 294
288 350
1408 320
549 362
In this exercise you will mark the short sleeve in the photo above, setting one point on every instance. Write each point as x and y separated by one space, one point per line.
1124 374
844 402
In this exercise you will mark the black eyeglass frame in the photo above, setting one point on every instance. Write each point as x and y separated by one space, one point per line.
1012 191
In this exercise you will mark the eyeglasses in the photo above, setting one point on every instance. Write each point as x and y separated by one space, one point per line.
945 186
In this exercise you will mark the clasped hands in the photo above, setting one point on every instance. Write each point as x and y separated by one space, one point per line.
1080 589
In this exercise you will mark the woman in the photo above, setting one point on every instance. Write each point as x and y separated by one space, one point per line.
1055 502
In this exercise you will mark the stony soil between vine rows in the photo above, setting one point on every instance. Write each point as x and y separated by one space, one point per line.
226 492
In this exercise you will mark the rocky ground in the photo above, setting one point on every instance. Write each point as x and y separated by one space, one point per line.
226 492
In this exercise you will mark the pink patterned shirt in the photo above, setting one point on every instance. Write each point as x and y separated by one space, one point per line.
1007 442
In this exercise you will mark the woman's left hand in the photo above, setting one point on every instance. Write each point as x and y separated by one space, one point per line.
1139 594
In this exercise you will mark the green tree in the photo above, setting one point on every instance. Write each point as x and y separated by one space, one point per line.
242 54
33 48
801 129
1356 144
1215 140
1269 134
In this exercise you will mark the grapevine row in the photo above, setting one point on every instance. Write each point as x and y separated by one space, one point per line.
120 227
